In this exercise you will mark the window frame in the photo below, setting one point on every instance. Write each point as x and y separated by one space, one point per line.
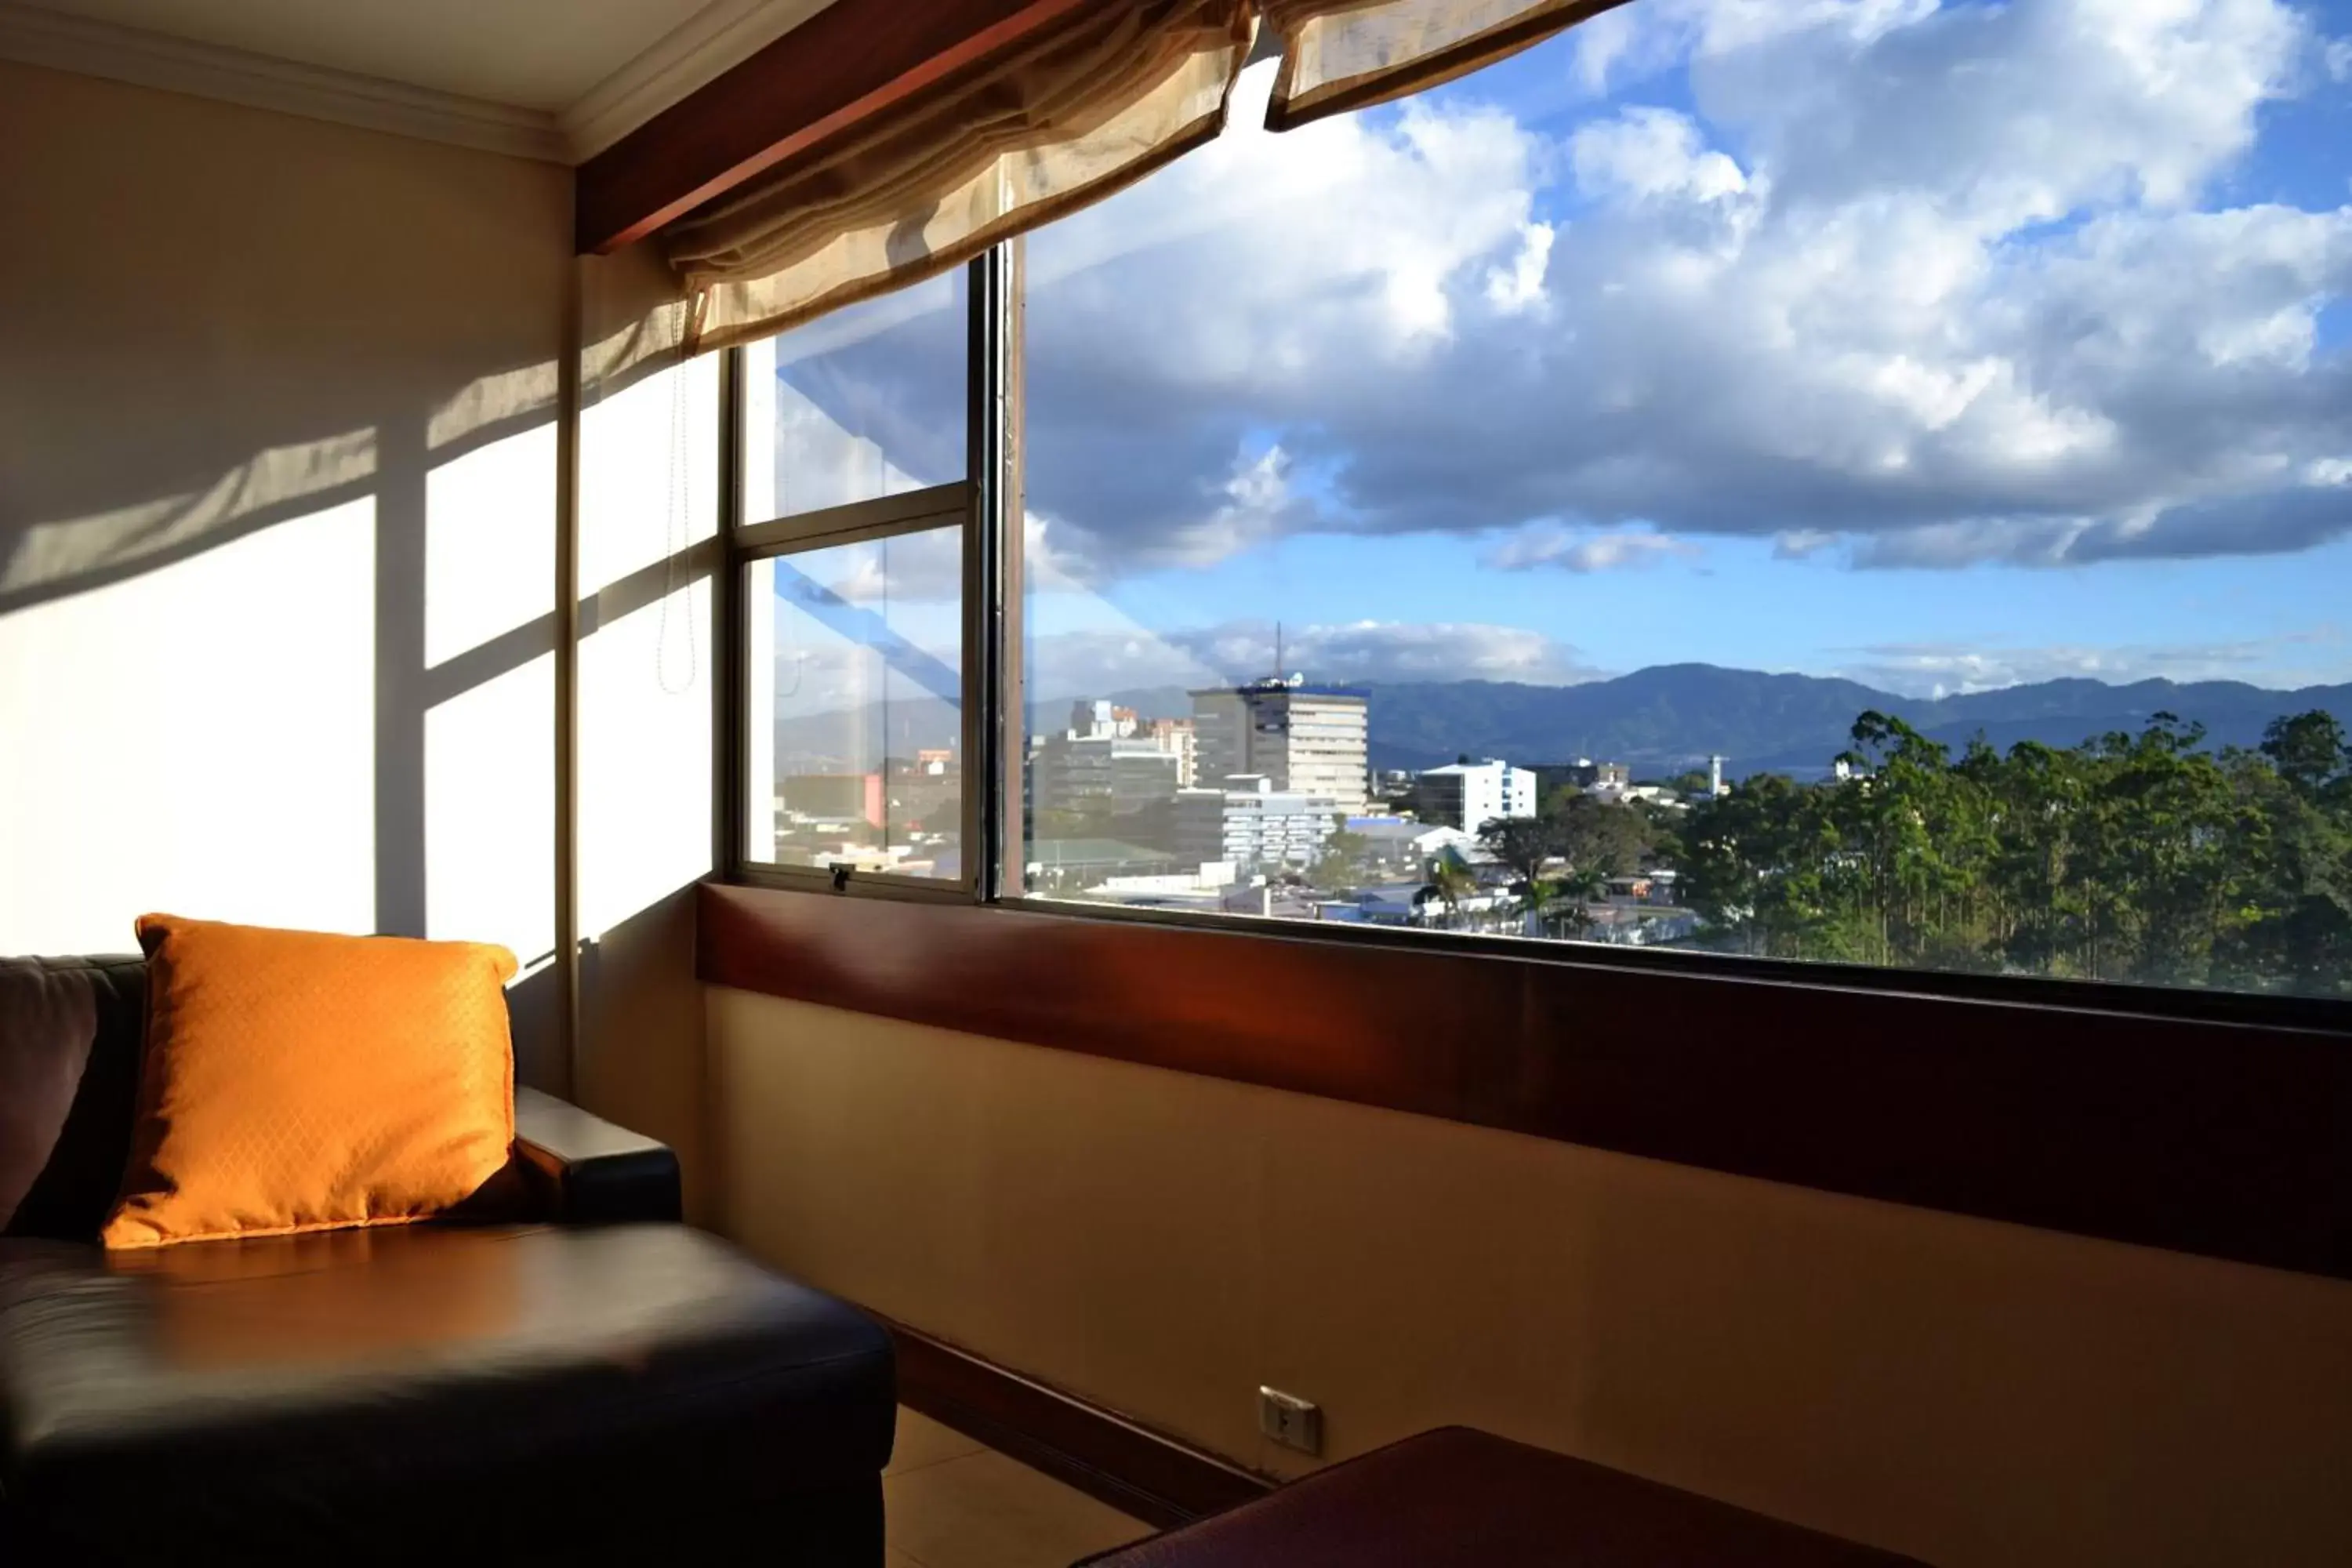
995 736
959 503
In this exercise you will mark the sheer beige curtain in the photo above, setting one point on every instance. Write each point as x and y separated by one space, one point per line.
1081 105
1339 55
1078 108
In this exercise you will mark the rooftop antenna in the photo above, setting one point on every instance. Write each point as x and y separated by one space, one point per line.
1277 650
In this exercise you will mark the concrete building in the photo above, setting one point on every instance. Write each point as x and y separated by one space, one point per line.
1469 796
1581 774
1251 826
844 797
1405 842
1092 719
1309 740
1071 772
1176 736
1063 863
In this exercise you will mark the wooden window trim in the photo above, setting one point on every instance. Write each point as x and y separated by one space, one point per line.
2226 1138
853 59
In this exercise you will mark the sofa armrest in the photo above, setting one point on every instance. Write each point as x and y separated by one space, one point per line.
583 1169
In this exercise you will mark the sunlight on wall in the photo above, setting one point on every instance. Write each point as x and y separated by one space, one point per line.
648 470
209 748
648 492
490 748
489 542
57 553
490 399
490 813
645 758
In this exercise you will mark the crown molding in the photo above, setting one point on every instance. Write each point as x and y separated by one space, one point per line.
143 58
713 41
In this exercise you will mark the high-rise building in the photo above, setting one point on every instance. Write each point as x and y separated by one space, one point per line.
1305 740
1251 826
1109 757
1069 773
1469 796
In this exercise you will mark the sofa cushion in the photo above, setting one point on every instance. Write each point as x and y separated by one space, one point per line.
261 1395
302 1080
69 1044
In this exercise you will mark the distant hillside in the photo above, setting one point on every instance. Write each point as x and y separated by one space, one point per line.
1669 717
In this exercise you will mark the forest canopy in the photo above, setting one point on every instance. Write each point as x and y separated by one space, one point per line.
2142 857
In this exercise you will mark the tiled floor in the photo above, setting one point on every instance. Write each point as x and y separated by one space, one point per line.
954 1504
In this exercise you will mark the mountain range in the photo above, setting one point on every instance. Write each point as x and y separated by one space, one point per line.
1669 716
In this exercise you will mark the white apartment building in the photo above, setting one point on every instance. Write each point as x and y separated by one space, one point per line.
1251 825
1305 740
1469 796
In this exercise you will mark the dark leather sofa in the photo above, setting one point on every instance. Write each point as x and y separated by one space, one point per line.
567 1374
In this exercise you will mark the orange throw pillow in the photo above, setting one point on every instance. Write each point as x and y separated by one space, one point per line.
299 1081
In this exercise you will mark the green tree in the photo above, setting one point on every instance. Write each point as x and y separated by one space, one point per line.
1523 844
1454 885
1345 858
1605 837
2308 751
2296 896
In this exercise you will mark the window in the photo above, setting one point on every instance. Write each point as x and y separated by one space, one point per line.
1899 521
862 653
853 455
1901 518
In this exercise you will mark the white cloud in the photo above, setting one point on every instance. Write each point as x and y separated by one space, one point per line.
1634 42
1801 544
1647 155
1069 664
1944 283
1520 286
1947 670
1549 544
924 568
1391 650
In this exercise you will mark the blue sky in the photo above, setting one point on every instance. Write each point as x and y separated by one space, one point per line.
1941 347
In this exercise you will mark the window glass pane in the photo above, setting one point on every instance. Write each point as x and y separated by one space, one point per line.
854 682
866 402
1860 483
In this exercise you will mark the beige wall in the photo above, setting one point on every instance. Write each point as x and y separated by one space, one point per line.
1977 1394
276 525
648 510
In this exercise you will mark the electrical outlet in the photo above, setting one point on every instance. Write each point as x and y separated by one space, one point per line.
1293 1422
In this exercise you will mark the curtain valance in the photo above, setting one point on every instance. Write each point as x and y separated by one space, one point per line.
1092 97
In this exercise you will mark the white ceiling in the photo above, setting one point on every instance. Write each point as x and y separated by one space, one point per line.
531 54
583 72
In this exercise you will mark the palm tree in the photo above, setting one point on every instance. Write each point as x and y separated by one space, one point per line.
1562 898
1453 882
